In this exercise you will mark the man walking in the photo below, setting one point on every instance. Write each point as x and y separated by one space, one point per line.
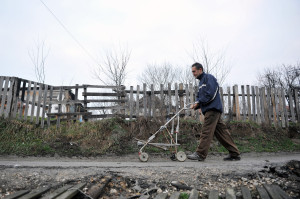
209 101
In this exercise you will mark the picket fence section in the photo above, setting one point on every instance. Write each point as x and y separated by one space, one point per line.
45 104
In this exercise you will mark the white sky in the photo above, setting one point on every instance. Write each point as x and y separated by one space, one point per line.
254 34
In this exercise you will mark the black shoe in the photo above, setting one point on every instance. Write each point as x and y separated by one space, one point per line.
195 156
232 158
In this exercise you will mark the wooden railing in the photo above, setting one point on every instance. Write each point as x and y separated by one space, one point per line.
45 104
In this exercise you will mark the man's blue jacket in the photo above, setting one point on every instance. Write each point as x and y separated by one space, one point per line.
208 95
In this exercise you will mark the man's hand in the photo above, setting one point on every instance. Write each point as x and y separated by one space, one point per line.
194 106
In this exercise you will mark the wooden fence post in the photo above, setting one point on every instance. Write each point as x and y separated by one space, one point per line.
269 102
176 98
187 100
162 102
12 97
131 103
192 98
253 103
265 106
145 100
37 121
137 110
274 107
230 112
291 105
33 101
170 101
44 105
258 105
243 102
59 106
297 104
4 96
236 101
152 102
50 105
285 107
249 113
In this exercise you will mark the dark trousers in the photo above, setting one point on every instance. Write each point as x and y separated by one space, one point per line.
213 125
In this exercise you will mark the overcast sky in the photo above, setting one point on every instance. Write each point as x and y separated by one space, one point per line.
254 34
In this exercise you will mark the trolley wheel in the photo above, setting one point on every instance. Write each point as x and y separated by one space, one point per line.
181 156
143 157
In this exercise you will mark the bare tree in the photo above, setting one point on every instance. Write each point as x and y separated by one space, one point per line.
186 76
158 74
286 76
112 70
38 56
213 63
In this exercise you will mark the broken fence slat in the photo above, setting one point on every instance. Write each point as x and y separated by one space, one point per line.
71 192
57 192
17 194
194 194
262 193
175 195
272 192
97 190
161 196
230 194
281 192
213 194
246 193
35 193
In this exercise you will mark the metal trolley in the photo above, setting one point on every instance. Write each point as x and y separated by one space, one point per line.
172 142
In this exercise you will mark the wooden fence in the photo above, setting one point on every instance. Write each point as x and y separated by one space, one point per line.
44 104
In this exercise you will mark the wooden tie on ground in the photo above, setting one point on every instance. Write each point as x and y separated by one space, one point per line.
69 191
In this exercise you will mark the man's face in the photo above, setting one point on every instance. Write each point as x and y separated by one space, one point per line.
196 72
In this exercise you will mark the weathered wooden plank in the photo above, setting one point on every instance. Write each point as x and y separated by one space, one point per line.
50 105
282 194
262 193
21 99
1 87
97 190
10 96
249 112
213 194
107 116
16 88
222 100
161 196
194 194
104 107
258 110
4 96
59 108
253 103
57 192
37 121
236 102
175 195
230 112
244 110
145 99
291 105
27 100
69 114
274 107
277 107
162 101
71 192
230 194
100 94
176 98
170 100
137 110
269 102
151 101
17 194
187 99
296 97
44 105
33 101
261 94
265 106
246 192
281 108
272 192
131 103
286 116
35 193
192 98
180 94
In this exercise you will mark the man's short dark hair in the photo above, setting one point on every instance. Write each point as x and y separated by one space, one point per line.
198 66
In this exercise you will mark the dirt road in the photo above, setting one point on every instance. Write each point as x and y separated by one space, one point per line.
24 172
